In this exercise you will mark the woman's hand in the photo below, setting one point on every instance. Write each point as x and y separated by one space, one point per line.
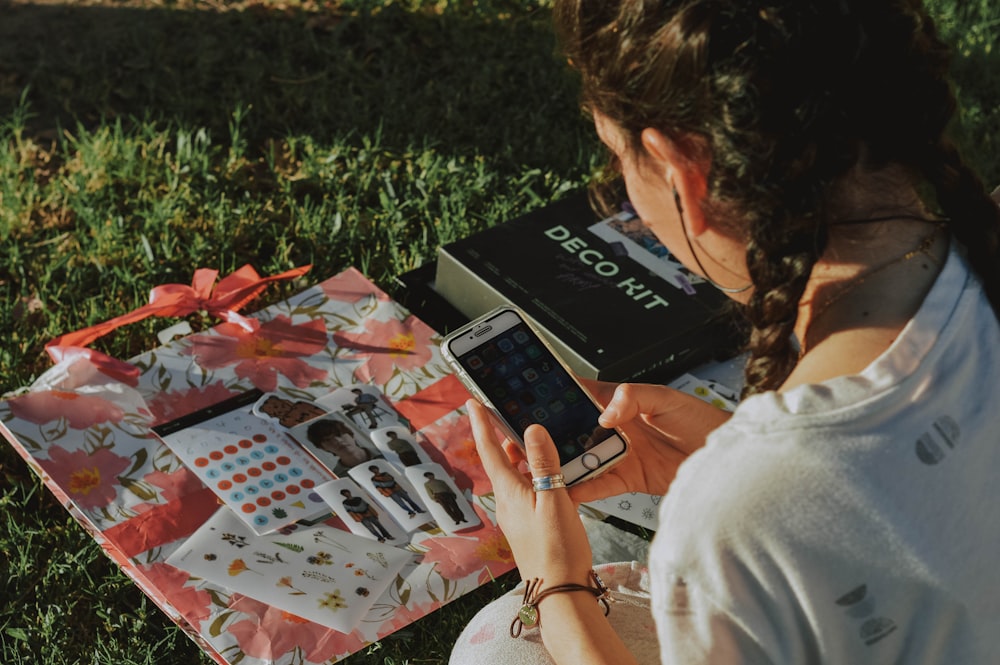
663 427
543 528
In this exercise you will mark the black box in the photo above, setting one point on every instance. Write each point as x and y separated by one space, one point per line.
605 293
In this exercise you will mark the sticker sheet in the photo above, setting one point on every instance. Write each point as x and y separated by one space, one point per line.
321 573
264 477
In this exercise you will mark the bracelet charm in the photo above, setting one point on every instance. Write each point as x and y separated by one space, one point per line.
530 617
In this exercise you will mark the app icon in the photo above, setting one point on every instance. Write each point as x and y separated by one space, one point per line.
515 383
540 414
533 350
475 362
530 374
527 397
543 390
521 337
512 407
506 345
556 406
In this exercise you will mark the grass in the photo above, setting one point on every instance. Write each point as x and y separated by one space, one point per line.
142 139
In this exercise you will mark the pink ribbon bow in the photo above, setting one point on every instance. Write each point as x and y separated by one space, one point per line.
232 293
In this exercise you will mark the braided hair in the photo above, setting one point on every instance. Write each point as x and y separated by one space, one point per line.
788 97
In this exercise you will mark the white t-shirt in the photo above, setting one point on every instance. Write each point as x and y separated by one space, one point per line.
854 521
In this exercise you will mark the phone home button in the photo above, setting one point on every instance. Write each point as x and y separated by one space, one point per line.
591 461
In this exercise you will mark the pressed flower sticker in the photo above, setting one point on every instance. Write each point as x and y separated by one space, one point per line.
332 601
240 566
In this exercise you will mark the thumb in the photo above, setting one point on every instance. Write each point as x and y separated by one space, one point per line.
540 452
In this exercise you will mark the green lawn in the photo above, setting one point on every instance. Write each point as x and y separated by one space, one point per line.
140 140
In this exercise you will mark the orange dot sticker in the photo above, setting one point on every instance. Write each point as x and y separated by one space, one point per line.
293 489
249 507
201 461
259 438
239 478
231 450
246 443
269 466
283 460
277 495
263 501
253 471
216 455
225 485
307 483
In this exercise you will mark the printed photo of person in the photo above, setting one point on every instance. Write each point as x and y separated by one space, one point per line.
451 510
399 445
361 512
335 443
365 406
393 491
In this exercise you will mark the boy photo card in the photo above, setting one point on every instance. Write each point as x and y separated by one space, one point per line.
362 514
335 442
400 446
364 405
393 492
450 508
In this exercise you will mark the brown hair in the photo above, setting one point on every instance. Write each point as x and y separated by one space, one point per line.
788 97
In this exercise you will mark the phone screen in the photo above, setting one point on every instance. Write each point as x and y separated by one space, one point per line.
526 385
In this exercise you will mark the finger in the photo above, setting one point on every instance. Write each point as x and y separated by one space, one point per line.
631 399
540 452
601 391
494 459
515 453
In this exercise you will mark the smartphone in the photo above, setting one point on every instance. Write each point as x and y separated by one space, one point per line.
507 365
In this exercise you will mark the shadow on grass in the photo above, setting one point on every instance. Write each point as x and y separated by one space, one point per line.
417 77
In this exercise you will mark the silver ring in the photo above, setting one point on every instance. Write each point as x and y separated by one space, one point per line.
545 483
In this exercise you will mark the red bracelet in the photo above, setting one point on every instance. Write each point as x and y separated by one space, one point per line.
530 617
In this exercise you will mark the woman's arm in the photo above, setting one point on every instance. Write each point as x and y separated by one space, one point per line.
549 543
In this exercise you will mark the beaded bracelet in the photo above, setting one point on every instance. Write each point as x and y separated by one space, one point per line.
530 617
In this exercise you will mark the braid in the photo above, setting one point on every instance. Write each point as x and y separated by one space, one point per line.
780 258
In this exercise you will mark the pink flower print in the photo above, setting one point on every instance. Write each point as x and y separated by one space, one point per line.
194 604
90 479
351 286
269 633
403 616
389 345
82 411
276 347
486 550
454 438
174 485
167 406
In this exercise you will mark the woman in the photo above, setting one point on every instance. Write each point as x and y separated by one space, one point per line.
793 153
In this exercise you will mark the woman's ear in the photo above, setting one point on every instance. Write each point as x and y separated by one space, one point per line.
685 170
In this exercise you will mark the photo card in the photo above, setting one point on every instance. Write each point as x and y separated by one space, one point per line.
364 405
335 442
362 514
400 446
450 508
392 490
